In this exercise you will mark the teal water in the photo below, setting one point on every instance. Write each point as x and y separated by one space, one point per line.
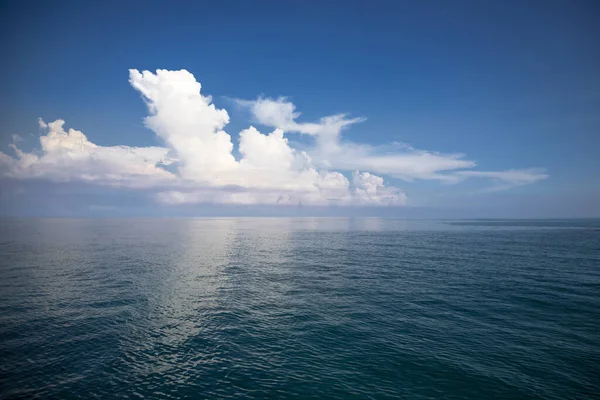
299 308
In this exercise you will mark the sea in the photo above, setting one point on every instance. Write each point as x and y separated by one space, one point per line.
302 308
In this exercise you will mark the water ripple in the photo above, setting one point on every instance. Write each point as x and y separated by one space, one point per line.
305 308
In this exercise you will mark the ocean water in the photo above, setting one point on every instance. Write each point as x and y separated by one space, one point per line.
299 308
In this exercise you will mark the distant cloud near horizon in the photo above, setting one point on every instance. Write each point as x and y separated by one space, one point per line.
197 163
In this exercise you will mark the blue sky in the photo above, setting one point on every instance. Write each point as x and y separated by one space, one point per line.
509 86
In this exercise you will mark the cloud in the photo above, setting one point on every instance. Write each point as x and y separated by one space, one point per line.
269 171
370 188
196 163
282 114
506 179
400 161
186 120
69 155
199 150
407 164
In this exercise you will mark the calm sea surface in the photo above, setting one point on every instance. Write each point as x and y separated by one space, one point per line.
299 308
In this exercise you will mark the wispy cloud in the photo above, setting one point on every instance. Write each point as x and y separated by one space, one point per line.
505 179
16 138
400 161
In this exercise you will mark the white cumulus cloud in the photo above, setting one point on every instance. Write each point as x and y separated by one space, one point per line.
202 167
69 155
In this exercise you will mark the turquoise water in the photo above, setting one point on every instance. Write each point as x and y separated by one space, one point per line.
299 308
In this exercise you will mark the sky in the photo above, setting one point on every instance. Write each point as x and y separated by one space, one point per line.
428 109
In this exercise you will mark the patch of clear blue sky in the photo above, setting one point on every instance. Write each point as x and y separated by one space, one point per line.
511 84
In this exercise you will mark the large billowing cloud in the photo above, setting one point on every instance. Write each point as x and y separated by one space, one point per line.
202 167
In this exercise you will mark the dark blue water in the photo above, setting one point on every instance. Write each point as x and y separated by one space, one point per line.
299 308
